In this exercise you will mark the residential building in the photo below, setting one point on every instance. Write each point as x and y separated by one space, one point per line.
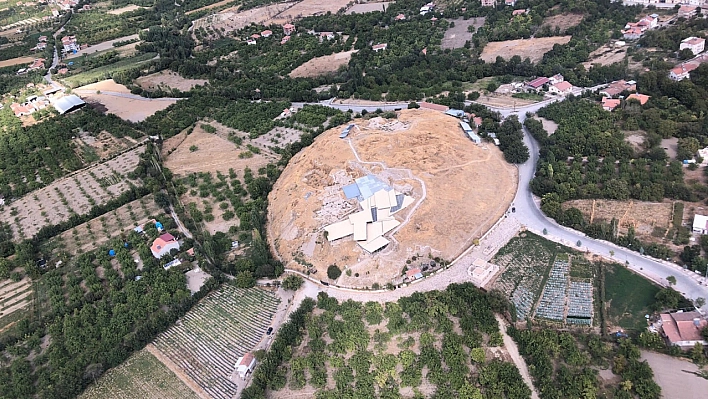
537 83
687 11
21 109
245 365
609 104
695 44
489 3
618 87
42 39
700 224
682 71
400 17
379 47
683 329
634 30
427 8
642 98
267 33
519 12
288 29
557 78
255 36
561 88
326 35
285 40
163 245
69 44
36 64
510 3
633 33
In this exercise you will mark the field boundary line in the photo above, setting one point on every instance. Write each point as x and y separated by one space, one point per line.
177 371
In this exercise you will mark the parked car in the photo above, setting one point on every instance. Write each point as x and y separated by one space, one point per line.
269 331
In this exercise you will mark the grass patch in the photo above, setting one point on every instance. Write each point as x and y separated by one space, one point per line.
141 376
630 297
107 71
581 268
678 214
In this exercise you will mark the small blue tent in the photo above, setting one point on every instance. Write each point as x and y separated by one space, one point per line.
158 225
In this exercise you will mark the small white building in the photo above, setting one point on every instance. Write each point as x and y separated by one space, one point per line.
379 47
561 88
695 44
245 365
700 224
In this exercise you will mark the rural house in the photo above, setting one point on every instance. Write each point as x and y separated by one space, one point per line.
609 104
682 71
642 98
163 245
561 88
288 29
489 3
267 33
400 17
378 47
509 3
687 11
695 44
700 224
683 329
245 365
618 87
537 83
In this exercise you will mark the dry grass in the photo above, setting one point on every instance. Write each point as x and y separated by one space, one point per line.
170 79
563 21
104 85
322 65
433 149
210 6
14 296
368 7
307 8
534 48
119 11
606 55
457 36
644 216
16 61
129 108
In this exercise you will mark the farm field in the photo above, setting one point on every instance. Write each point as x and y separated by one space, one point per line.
322 65
534 48
562 21
96 232
606 55
457 36
128 107
646 217
122 10
206 343
169 79
14 297
306 8
231 19
362 8
141 376
628 296
74 194
104 85
107 45
210 6
16 61
105 72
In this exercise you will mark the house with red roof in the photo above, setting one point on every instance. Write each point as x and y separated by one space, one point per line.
379 47
683 329
561 88
285 40
326 35
267 33
288 29
609 104
687 11
245 365
695 44
537 83
642 98
400 17
682 71
163 245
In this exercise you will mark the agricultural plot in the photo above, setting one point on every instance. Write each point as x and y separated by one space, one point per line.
553 300
525 262
533 48
208 340
645 217
455 37
74 194
629 297
96 232
14 296
141 376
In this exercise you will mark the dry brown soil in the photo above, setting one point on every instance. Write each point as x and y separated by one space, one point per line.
676 383
322 65
644 216
16 61
534 48
466 186
105 85
308 8
606 55
549 125
133 108
169 79
125 9
457 36
562 21
368 7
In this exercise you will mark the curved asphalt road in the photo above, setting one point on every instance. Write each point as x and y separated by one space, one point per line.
529 214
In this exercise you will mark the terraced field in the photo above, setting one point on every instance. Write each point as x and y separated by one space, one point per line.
206 343
14 296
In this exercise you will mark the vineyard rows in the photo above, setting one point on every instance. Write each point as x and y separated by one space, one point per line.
553 300
14 296
209 339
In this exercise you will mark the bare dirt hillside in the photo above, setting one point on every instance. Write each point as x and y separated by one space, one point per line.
322 65
459 189
534 48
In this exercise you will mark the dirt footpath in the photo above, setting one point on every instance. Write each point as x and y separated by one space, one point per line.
534 48
519 361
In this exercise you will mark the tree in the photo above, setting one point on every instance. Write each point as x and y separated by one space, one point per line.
292 282
245 279
413 105
333 272
671 280
667 298
700 301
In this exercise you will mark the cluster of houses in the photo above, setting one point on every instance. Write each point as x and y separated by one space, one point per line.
614 89
37 63
683 70
556 84
32 105
65 4
288 30
635 30
41 44
52 96
493 3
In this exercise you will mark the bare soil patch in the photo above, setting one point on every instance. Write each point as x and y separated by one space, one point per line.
170 79
644 216
606 55
322 65
105 85
119 11
130 108
210 6
502 100
368 7
214 154
456 36
16 61
308 8
533 48
635 138
563 21
548 125
14 296
670 146
426 156
232 19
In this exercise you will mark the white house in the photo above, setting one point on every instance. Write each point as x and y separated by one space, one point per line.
379 47
695 44
163 245
561 88
700 224
245 365
683 71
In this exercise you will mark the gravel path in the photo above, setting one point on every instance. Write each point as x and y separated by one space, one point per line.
519 361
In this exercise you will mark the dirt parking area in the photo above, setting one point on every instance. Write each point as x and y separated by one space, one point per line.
456 36
368 7
635 139
171 80
606 55
534 49
670 146
675 377
322 65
